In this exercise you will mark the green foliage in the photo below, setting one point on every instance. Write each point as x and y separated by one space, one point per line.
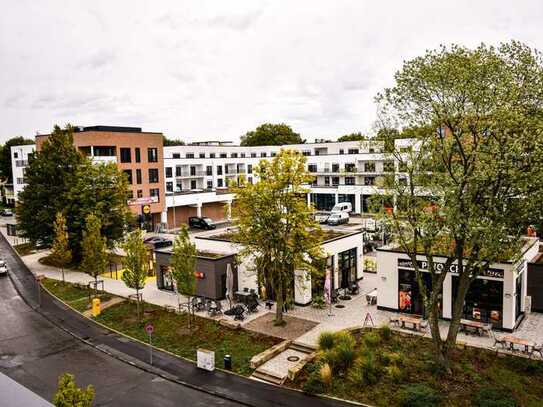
318 302
69 395
366 370
494 397
271 135
183 263
338 350
326 340
385 333
95 257
371 339
314 384
136 262
5 156
61 255
419 395
275 226
395 373
353 137
172 142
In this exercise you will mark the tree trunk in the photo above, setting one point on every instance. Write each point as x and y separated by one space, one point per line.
279 305
433 320
457 309
138 304
62 271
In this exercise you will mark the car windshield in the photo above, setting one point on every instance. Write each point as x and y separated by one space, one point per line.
208 221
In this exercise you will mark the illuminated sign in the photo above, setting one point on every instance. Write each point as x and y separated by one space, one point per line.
453 268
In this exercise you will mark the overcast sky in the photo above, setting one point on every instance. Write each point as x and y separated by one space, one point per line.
199 70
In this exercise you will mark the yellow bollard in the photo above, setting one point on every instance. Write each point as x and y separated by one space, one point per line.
263 292
95 307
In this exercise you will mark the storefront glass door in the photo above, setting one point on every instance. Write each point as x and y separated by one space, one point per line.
484 301
347 268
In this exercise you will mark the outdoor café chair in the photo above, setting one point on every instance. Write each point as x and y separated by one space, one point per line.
215 308
537 348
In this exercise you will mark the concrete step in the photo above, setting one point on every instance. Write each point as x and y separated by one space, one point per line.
269 377
302 347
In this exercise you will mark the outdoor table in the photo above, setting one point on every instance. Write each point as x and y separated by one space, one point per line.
513 340
243 296
371 297
478 326
416 322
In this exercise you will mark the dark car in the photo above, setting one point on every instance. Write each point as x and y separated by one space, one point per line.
201 223
7 212
158 241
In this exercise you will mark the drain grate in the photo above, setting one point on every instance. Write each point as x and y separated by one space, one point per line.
293 358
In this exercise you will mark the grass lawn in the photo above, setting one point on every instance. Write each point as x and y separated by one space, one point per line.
72 295
392 370
171 333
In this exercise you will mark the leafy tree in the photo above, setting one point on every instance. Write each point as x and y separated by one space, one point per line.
269 134
172 142
69 395
5 156
95 256
49 178
276 226
136 263
182 265
353 137
61 253
464 190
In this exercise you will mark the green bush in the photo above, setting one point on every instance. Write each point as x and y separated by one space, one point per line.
345 356
371 340
313 384
344 337
394 373
419 395
366 370
493 397
326 341
392 358
385 332
318 302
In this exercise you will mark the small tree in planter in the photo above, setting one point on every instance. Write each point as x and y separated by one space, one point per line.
68 394
182 264
136 264
95 257
61 253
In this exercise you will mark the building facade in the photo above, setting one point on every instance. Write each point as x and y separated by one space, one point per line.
19 162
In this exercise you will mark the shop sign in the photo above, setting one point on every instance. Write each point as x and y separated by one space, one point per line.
453 268
143 201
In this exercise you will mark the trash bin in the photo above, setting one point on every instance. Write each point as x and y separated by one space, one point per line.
95 307
228 362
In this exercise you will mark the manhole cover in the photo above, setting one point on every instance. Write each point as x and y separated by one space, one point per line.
293 358
340 306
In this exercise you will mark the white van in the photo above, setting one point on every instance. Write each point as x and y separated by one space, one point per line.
343 207
337 218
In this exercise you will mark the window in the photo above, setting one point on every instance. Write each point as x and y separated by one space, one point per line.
388 166
263 154
219 169
138 176
192 170
178 186
209 184
126 155
250 180
403 167
193 184
189 155
153 175
211 155
312 168
140 193
249 168
341 151
369 167
155 192
353 150
128 176
138 155
253 155
350 168
104 151
234 155
219 183
130 194
152 155
169 186
335 167
178 171
15 155
226 169
369 180
223 155
242 155
169 172
176 155
335 180
306 152
327 181
209 170
202 155
349 180
273 154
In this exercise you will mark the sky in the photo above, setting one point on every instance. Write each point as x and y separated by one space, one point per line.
213 70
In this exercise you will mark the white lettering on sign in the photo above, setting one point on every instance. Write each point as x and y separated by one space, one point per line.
440 266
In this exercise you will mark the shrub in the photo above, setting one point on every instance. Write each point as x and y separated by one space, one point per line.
385 332
326 341
419 395
344 337
394 373
391 358
366 370
318 302
493 397
313 384
345 356
371 340
326 375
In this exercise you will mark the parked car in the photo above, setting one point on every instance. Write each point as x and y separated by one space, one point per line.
322 217
7 212
158 241
337 218
201 223
3 268
343 207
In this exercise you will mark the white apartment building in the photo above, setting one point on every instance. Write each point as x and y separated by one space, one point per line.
19 162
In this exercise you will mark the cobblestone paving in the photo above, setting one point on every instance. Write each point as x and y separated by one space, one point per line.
278 366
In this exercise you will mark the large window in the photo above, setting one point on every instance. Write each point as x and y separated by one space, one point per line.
128 176
347 268
165 279
484 300
323 202
169 186
169 173
409 298
104 151
152 155
369 167
138 176
153 175
126 155
155 192
209 170
219 169
349 181
312 168
178 171
138 155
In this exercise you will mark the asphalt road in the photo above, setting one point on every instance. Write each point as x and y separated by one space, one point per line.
34 352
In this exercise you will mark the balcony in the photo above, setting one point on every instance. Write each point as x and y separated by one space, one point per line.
192 174
106 159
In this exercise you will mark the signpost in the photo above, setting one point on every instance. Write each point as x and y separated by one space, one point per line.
39 279
149 328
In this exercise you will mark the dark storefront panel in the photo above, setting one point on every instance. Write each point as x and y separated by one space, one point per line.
409 296
535 285
323 202
484 301
347 268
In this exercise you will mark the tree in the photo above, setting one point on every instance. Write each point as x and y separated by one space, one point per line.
61 253
136 263
5 156
182 265
275 224
49 177
95 256
463 189
353 137
69 395
172 142
271 135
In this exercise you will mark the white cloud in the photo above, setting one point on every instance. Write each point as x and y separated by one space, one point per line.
215 69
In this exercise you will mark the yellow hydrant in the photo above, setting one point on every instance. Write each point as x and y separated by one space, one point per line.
95 307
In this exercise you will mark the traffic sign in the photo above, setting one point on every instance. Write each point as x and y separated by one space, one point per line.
146 209
149 328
